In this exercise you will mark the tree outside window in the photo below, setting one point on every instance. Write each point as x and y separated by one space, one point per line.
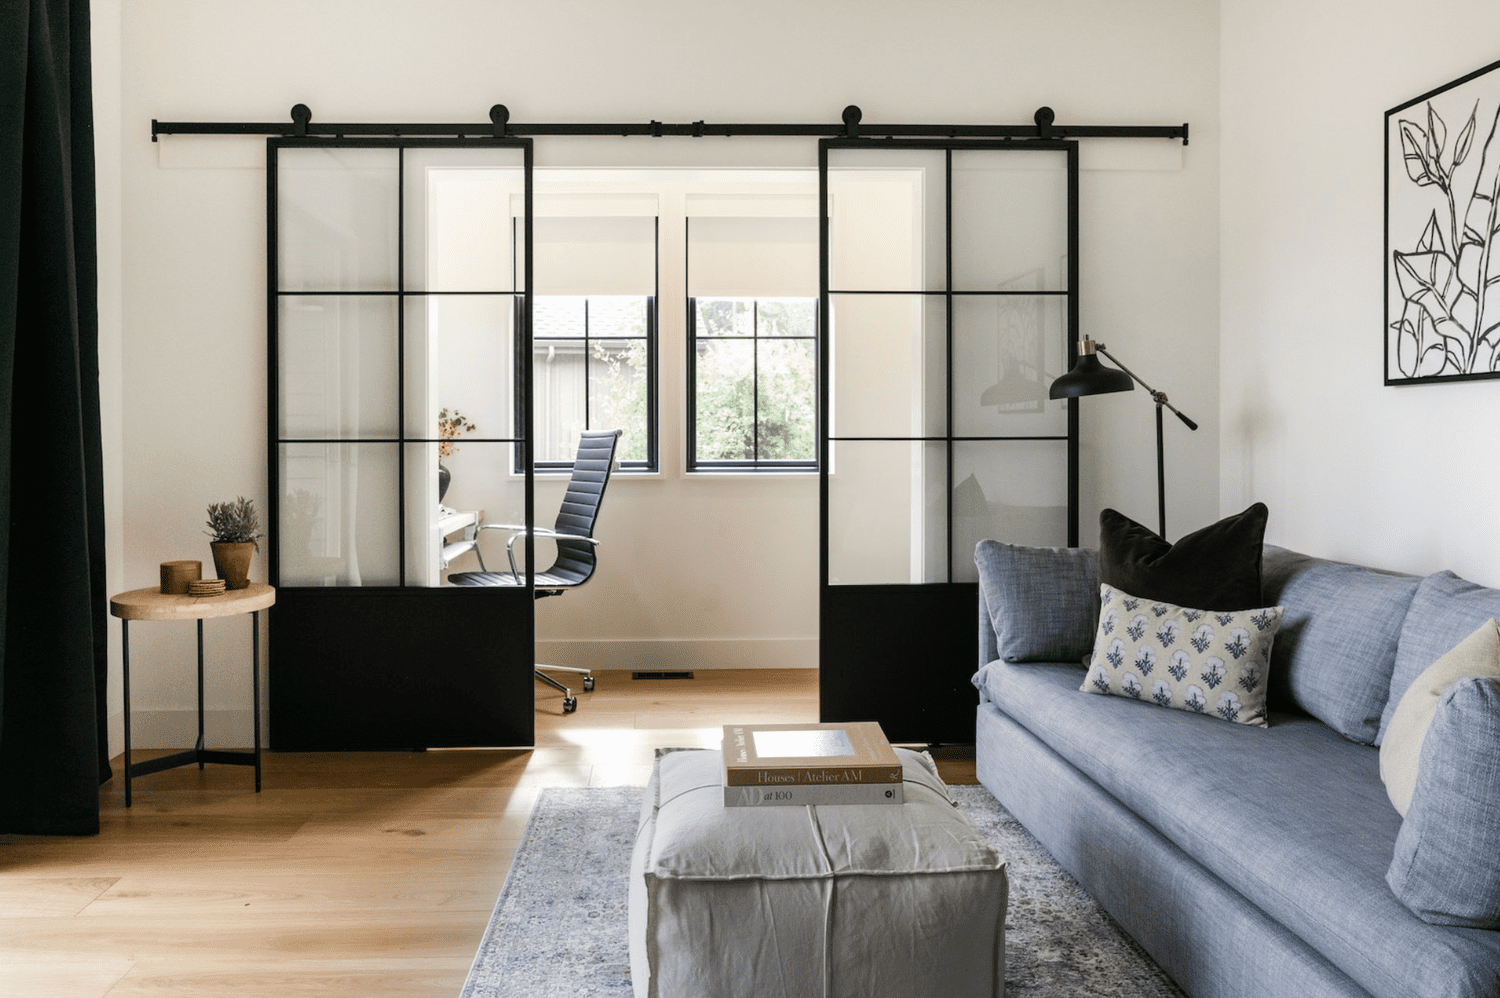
591 360
754 382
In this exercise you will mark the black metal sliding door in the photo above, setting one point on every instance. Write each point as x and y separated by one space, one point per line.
950 283
394 294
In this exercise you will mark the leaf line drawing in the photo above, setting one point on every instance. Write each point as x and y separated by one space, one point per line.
1450 312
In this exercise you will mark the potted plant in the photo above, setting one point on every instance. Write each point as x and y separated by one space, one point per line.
234 529
451 425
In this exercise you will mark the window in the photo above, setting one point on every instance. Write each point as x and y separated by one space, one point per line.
592 369
593 327
753 373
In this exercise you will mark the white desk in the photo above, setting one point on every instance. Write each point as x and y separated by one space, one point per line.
458 521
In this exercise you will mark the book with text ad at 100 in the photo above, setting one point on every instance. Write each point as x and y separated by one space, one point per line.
823 794
801 758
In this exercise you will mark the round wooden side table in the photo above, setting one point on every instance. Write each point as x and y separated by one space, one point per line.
153 604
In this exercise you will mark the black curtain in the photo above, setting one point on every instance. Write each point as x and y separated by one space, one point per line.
53 635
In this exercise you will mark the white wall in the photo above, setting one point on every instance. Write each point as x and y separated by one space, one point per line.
1400 477
193 268
105 36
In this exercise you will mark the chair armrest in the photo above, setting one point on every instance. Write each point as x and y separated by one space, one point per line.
545 532
519 530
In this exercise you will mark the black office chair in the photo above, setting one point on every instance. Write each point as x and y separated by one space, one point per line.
574 534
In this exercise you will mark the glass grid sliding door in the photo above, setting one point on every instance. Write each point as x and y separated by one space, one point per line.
395 295
949 279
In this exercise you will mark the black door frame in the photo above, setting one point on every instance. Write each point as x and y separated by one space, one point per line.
397 667
900 654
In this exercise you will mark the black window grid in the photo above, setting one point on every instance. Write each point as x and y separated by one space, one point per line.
525 356
757 463
519 293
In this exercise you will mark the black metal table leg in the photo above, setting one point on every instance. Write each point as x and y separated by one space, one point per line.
255 688
198 747
125 669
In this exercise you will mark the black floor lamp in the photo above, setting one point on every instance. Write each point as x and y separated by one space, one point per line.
1090 377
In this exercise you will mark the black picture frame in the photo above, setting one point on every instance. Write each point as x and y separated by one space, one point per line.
1442 233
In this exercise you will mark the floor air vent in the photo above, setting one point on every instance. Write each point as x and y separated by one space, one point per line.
661 675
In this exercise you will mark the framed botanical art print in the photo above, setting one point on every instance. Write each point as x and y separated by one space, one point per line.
1442 233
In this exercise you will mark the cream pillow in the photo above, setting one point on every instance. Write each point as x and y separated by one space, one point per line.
1476 655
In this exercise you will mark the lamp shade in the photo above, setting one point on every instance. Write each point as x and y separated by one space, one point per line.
1090 377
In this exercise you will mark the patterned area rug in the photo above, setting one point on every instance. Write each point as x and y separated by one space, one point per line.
559 927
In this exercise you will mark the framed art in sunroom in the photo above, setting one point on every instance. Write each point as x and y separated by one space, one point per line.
1442 233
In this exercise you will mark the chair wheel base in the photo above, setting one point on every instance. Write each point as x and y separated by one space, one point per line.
570 704
588 684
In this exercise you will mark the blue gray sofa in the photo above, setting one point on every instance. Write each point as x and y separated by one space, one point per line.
1247 861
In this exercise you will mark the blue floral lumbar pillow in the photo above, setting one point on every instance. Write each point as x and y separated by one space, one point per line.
1206 661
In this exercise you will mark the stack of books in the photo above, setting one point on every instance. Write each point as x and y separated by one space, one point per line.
800 764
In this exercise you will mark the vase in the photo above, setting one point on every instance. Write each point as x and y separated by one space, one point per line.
443 479
232 562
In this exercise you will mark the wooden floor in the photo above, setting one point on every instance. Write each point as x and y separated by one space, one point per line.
350 874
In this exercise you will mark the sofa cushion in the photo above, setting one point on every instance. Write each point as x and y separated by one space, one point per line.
1208 661
1444 610
1337 647
1042 602
1217 567
1293 817
1446 866
1401 747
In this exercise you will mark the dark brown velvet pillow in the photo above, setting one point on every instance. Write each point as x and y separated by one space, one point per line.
1216 568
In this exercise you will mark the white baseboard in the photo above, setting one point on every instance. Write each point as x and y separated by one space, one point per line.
230 729
686 653
116 730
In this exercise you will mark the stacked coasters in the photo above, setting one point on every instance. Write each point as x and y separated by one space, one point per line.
205 587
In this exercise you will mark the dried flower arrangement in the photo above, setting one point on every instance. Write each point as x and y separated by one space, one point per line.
451 425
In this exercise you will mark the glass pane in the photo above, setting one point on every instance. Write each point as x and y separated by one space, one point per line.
887 220
1008 349
458 221
890 365
595 255
786 380
336 219
559 383
480 488
617 315
338 523
553 316
336 362
752 256
1010 219
786 317
617 393
725 317
887 518
1010 490
459 357
725 393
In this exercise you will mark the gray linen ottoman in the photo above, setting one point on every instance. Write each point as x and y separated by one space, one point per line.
814 902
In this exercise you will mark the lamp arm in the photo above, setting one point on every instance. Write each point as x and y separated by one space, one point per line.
1159 397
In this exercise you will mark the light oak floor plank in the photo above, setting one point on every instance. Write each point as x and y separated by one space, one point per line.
351 874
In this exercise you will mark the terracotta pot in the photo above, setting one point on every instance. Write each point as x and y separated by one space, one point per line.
232 562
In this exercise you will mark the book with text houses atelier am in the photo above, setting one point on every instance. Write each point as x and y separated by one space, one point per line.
799 764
